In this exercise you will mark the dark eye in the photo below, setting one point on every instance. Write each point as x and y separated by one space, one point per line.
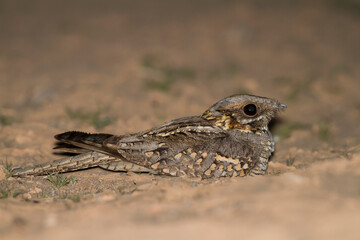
250 109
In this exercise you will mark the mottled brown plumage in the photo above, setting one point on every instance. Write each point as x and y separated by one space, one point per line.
231 138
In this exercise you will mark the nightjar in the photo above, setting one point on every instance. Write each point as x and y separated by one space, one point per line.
231 138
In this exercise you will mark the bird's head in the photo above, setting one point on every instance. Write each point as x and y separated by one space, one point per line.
243 111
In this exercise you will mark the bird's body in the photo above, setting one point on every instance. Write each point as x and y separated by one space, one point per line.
229 139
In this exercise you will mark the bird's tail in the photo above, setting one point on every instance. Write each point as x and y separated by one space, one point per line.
81 161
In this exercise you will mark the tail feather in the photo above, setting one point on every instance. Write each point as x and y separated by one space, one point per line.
69 148
82 140
74 137
82 161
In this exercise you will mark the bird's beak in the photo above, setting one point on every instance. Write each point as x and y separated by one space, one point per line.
282 106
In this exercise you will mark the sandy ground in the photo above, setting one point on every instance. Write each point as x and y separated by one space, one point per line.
125 66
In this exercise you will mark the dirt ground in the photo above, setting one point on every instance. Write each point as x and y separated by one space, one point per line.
125 66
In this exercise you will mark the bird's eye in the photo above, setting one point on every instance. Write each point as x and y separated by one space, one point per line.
250 109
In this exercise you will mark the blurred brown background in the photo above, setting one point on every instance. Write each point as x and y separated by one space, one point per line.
125 66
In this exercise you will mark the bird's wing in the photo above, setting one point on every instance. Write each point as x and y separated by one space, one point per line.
166 141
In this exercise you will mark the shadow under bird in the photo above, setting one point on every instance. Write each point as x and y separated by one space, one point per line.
231 138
